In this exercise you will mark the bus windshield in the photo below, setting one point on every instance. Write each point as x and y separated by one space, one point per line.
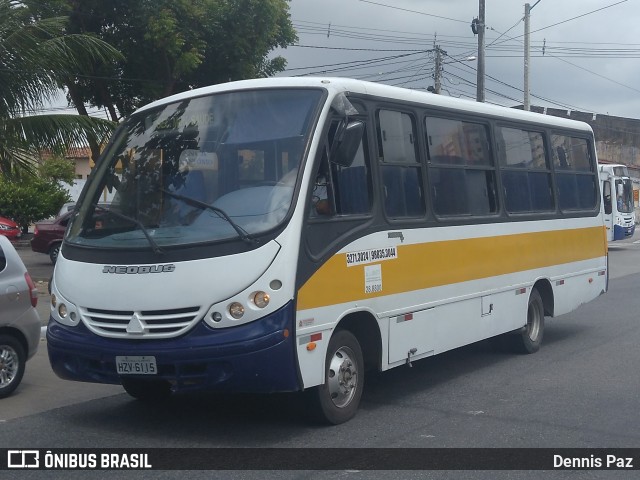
209 168
624 194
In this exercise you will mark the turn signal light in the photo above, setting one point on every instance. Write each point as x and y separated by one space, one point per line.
261 299
236 310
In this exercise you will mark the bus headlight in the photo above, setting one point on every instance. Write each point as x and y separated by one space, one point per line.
63 311
236 310
261 299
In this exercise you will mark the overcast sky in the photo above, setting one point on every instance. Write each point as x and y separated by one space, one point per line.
585 54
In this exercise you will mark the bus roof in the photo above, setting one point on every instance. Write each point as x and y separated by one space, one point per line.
336 85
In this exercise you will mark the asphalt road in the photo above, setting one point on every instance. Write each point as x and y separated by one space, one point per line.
580 390
38 264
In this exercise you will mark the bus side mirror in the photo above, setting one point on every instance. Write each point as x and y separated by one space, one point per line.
347 143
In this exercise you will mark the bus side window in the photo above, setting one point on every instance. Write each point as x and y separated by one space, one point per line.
576 180
606 197
525 170
461 168
352 184
400 164
343 189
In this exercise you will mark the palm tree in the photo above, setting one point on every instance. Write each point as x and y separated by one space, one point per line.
36 59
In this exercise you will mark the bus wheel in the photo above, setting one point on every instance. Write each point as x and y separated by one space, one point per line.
147 390
529 337
54 251
339 397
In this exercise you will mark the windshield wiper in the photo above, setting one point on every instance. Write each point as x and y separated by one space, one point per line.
242 233
143 229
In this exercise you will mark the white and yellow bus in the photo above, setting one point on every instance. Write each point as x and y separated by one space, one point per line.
617 201
287 234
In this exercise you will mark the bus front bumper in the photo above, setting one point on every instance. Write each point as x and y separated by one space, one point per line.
621 232
258 357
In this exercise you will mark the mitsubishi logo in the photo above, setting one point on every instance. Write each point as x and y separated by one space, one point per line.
135 325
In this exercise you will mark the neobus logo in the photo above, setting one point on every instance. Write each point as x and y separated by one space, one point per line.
135 269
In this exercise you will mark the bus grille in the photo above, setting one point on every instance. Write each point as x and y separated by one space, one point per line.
140 324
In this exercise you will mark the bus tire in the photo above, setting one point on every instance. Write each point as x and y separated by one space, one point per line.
54 251
339 397
147 390
529 337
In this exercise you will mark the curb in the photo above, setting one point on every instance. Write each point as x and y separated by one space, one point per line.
23 242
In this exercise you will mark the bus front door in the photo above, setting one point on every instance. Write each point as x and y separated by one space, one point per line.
608 208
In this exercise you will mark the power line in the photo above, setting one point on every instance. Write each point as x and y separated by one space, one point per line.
413 11
580 16
357 65
417 34
346 65
569 19
357 49
583 68
499 48
553 102
494 45
503 34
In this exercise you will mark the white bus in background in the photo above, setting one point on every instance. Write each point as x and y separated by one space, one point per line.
617 197
286 234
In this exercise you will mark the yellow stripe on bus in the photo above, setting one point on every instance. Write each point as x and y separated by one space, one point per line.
433 264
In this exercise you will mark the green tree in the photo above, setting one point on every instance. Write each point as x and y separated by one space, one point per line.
36 57
58 169
174 45
31 200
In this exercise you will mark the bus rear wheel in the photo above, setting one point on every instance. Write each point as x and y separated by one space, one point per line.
529 337
339 397
147 390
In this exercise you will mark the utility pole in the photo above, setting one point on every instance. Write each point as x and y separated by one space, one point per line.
438 73
527 55
481 29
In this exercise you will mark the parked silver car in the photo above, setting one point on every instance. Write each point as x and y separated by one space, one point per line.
19 320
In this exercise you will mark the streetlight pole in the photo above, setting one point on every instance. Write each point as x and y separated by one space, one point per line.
527 56
526 104
481 29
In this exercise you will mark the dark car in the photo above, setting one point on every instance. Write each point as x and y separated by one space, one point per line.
48 234
9 229
19 321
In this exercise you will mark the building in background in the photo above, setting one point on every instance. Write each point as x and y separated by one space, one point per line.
81 157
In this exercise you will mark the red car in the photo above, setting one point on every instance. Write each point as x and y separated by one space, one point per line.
48 234
9 229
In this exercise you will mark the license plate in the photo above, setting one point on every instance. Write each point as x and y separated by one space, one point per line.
136 366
